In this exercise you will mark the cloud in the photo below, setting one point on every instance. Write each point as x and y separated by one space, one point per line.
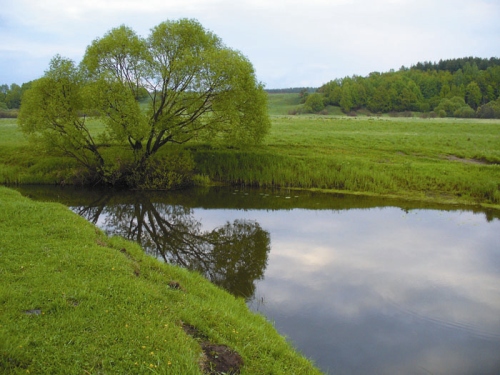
290 43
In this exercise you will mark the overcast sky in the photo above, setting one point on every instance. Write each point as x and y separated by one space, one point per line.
290 43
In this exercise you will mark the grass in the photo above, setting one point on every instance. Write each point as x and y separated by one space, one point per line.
20 161
444 160
73 301
281 104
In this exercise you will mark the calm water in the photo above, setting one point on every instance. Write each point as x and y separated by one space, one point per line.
359 286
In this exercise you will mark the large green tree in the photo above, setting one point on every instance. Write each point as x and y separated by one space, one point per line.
196 87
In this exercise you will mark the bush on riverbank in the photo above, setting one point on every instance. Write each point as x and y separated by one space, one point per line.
75 301
8 113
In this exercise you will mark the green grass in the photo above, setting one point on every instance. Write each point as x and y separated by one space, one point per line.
73 301
23 163
445 160
281 104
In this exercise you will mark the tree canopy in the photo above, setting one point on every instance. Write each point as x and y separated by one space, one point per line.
425 87
178 84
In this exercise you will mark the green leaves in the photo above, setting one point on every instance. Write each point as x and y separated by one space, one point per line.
53 113
196 86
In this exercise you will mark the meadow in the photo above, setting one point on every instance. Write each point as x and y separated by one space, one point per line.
441 160
453 160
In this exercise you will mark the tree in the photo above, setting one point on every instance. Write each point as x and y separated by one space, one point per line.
489 110
346 101
13 96
314 102
473 95
197 88
380 101
358 94
4 89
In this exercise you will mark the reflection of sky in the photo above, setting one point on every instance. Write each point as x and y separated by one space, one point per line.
382 290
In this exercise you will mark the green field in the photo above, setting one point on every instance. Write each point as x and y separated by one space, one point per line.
441 160
444 160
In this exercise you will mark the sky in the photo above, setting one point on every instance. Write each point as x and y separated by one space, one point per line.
290 43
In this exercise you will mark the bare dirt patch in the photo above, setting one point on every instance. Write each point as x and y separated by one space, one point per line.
467 161
218 359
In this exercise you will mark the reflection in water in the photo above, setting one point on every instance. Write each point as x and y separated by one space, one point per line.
233 255
360 286
381 291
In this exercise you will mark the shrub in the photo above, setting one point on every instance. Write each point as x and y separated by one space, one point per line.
490 110
425 107
315 102
172 171
365 112
8 113
449 106
465 112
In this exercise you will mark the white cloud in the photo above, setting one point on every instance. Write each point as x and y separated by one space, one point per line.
285 40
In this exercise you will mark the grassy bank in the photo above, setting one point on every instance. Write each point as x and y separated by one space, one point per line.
73 301
440 160
451 161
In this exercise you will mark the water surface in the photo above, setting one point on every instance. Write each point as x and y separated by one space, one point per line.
357 285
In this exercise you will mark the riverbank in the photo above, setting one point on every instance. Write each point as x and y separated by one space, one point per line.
452 161
448 161
74 301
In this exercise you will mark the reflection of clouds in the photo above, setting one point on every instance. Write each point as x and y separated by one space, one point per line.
385 283
428 272
390 252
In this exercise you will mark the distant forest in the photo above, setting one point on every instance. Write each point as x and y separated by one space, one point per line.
10 98
454 65
466 87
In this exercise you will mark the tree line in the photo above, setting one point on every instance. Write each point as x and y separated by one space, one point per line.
10 98
468 87
452 65
292 90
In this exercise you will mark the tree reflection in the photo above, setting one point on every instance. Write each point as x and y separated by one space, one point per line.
232 256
